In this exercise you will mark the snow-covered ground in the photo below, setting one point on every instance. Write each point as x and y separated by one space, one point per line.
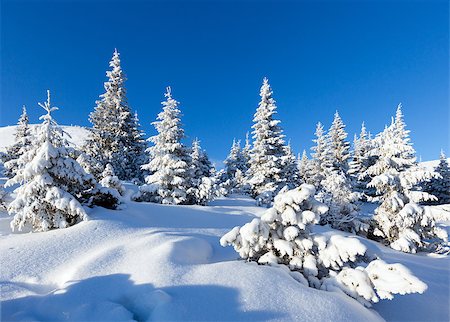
160 262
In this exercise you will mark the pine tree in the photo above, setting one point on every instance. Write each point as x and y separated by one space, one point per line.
399 220
246 152
265 172
440 186
360 161
170 161
115 137
342 212
2 198
291 173
51 181
201 165
304 168
321 157
338 146
111 181
203 182
22 141
283 236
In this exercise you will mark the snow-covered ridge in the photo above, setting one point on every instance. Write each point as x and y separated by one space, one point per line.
77 134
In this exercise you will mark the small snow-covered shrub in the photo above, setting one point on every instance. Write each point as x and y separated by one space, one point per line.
283 235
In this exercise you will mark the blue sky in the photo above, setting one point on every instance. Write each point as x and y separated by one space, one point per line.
361 58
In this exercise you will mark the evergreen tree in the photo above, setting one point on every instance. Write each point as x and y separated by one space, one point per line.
51 181
338 146
22 141
111 181
291 174
360 161
115 137
399 220
203 182
201 165
440 186
170 161
342 205
304 168
321 157
266 159
246 152
2 198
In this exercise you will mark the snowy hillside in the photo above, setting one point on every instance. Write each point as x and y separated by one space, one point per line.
159 262
77 134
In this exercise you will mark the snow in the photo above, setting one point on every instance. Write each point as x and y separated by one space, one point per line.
77 134
162 262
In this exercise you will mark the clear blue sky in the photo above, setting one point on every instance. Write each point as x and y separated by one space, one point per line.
361 58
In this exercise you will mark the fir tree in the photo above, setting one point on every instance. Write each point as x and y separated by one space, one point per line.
440 186
360 161
246 152
203 182
338 146
115 137
170 162
111 181
22 141
304 168
321 157
51 181
265 172
399 220
291 173
201 165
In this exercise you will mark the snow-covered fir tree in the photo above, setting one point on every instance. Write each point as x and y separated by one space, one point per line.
342 212
110 180
51 181
201 165
339 147
360 161
399 220
22 141
291 173
115 137
440 186
232 178
283 235
265 174
234 161
246 152
203 181
170 169
2 198
304 168
321 157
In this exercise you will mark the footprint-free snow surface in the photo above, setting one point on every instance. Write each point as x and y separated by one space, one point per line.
156 262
